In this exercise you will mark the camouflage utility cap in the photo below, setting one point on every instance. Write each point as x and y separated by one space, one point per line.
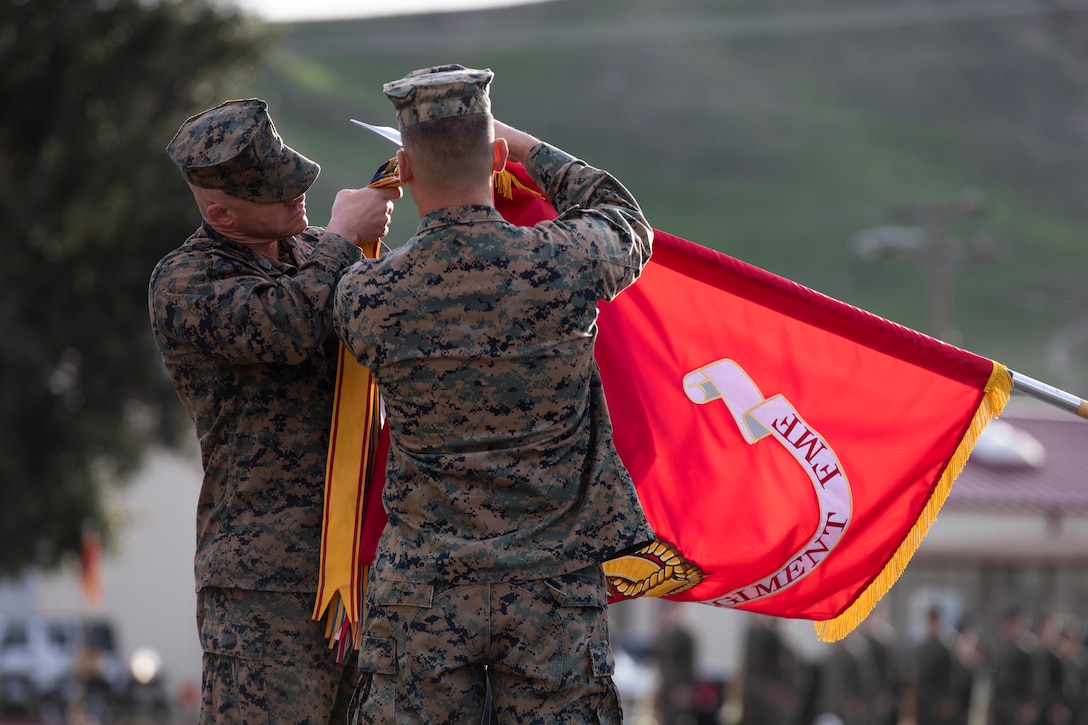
234 148
439 92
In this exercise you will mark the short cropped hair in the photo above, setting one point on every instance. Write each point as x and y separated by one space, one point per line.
451 150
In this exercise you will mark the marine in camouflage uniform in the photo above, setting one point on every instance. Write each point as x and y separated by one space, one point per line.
504 490
243 320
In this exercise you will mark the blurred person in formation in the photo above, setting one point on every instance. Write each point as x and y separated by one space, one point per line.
771 686
966 659
504 490
1015 699
1071 651
1050 672
676 652
934 703
845 681
880 637
242 316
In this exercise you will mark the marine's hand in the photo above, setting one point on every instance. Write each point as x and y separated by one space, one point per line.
519 142
363 215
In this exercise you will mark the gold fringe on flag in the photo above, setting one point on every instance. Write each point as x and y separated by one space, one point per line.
505 183
995 396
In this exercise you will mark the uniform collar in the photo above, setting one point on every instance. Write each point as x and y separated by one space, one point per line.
457 215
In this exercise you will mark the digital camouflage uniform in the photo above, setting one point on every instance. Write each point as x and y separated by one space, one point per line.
504 490
247 341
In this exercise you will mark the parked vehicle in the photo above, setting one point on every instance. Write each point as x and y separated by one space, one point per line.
50 664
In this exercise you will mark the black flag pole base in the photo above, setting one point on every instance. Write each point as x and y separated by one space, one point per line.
1049 394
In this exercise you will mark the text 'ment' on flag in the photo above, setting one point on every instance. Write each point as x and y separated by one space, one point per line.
790 450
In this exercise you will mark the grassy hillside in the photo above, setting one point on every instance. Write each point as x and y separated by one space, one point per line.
771 134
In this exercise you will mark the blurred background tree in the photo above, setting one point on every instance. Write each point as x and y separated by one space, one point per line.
92 92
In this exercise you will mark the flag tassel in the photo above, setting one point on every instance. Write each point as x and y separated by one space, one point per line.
996 395
1049 394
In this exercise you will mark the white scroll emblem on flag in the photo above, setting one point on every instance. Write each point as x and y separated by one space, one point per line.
757 418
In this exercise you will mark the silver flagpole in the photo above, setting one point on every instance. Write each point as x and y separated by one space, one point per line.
1049 394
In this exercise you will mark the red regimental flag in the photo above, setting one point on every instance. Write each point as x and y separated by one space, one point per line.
789 450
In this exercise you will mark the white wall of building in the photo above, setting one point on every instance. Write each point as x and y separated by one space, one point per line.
146 578
1009 536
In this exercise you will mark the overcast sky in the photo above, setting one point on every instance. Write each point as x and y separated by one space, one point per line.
290 10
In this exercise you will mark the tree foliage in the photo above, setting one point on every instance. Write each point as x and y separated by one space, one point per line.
92 93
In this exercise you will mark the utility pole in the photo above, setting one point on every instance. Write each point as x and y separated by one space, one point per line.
924 231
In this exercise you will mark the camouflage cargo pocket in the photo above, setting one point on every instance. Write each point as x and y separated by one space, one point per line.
233 672
602 659
603 662
374 699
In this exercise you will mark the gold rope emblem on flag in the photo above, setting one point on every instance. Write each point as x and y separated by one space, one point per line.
656 570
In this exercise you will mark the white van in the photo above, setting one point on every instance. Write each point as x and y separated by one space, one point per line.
47 661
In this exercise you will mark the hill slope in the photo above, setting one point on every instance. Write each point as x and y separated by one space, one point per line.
774 135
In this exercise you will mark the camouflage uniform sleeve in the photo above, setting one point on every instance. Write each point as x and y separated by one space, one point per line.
349 318
597 212
235 308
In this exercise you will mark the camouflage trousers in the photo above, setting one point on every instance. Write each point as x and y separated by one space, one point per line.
267 661
430 650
